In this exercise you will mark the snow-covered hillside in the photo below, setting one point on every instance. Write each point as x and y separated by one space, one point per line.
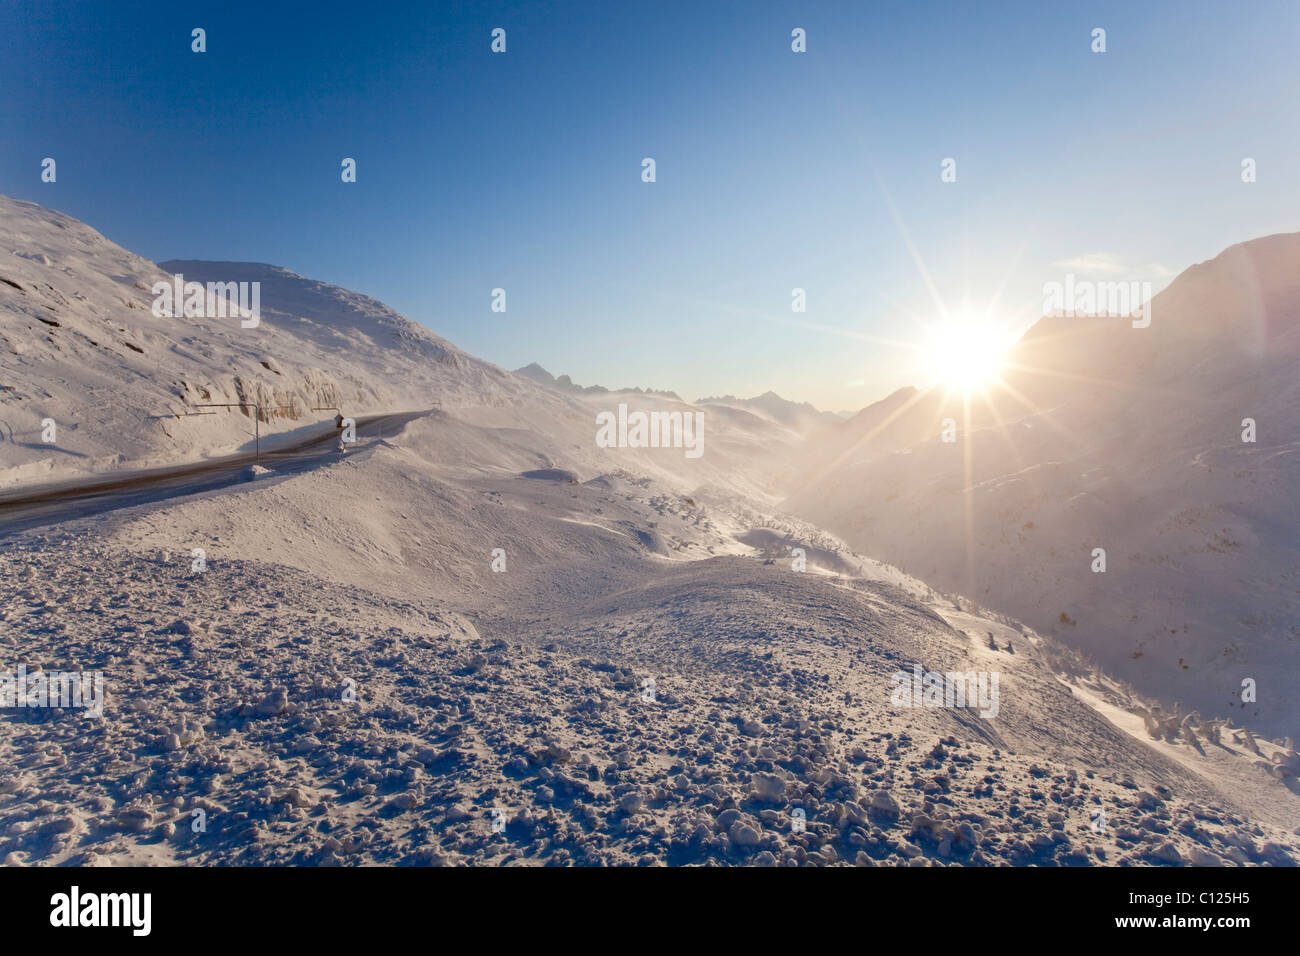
488 638
350 680
80 345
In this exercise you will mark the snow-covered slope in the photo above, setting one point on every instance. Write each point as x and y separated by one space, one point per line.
80 345
618 653
349 680
1121 438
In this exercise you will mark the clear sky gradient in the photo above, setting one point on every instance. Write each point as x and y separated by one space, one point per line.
775 170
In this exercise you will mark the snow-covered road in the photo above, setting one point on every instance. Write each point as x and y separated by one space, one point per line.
32 507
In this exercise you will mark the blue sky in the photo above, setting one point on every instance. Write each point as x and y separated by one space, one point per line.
775 170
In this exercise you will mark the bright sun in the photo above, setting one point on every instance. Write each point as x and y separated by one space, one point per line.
966 353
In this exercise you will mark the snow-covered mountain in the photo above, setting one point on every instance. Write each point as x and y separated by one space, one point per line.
80 345
623 655
800 417
1124 439
563 382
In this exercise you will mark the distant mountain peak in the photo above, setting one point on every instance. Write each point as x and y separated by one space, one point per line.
801 416
535 372
564 383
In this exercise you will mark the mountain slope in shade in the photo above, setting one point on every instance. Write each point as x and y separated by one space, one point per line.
1121 438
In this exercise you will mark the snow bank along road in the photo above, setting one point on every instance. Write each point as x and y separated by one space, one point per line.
25 508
